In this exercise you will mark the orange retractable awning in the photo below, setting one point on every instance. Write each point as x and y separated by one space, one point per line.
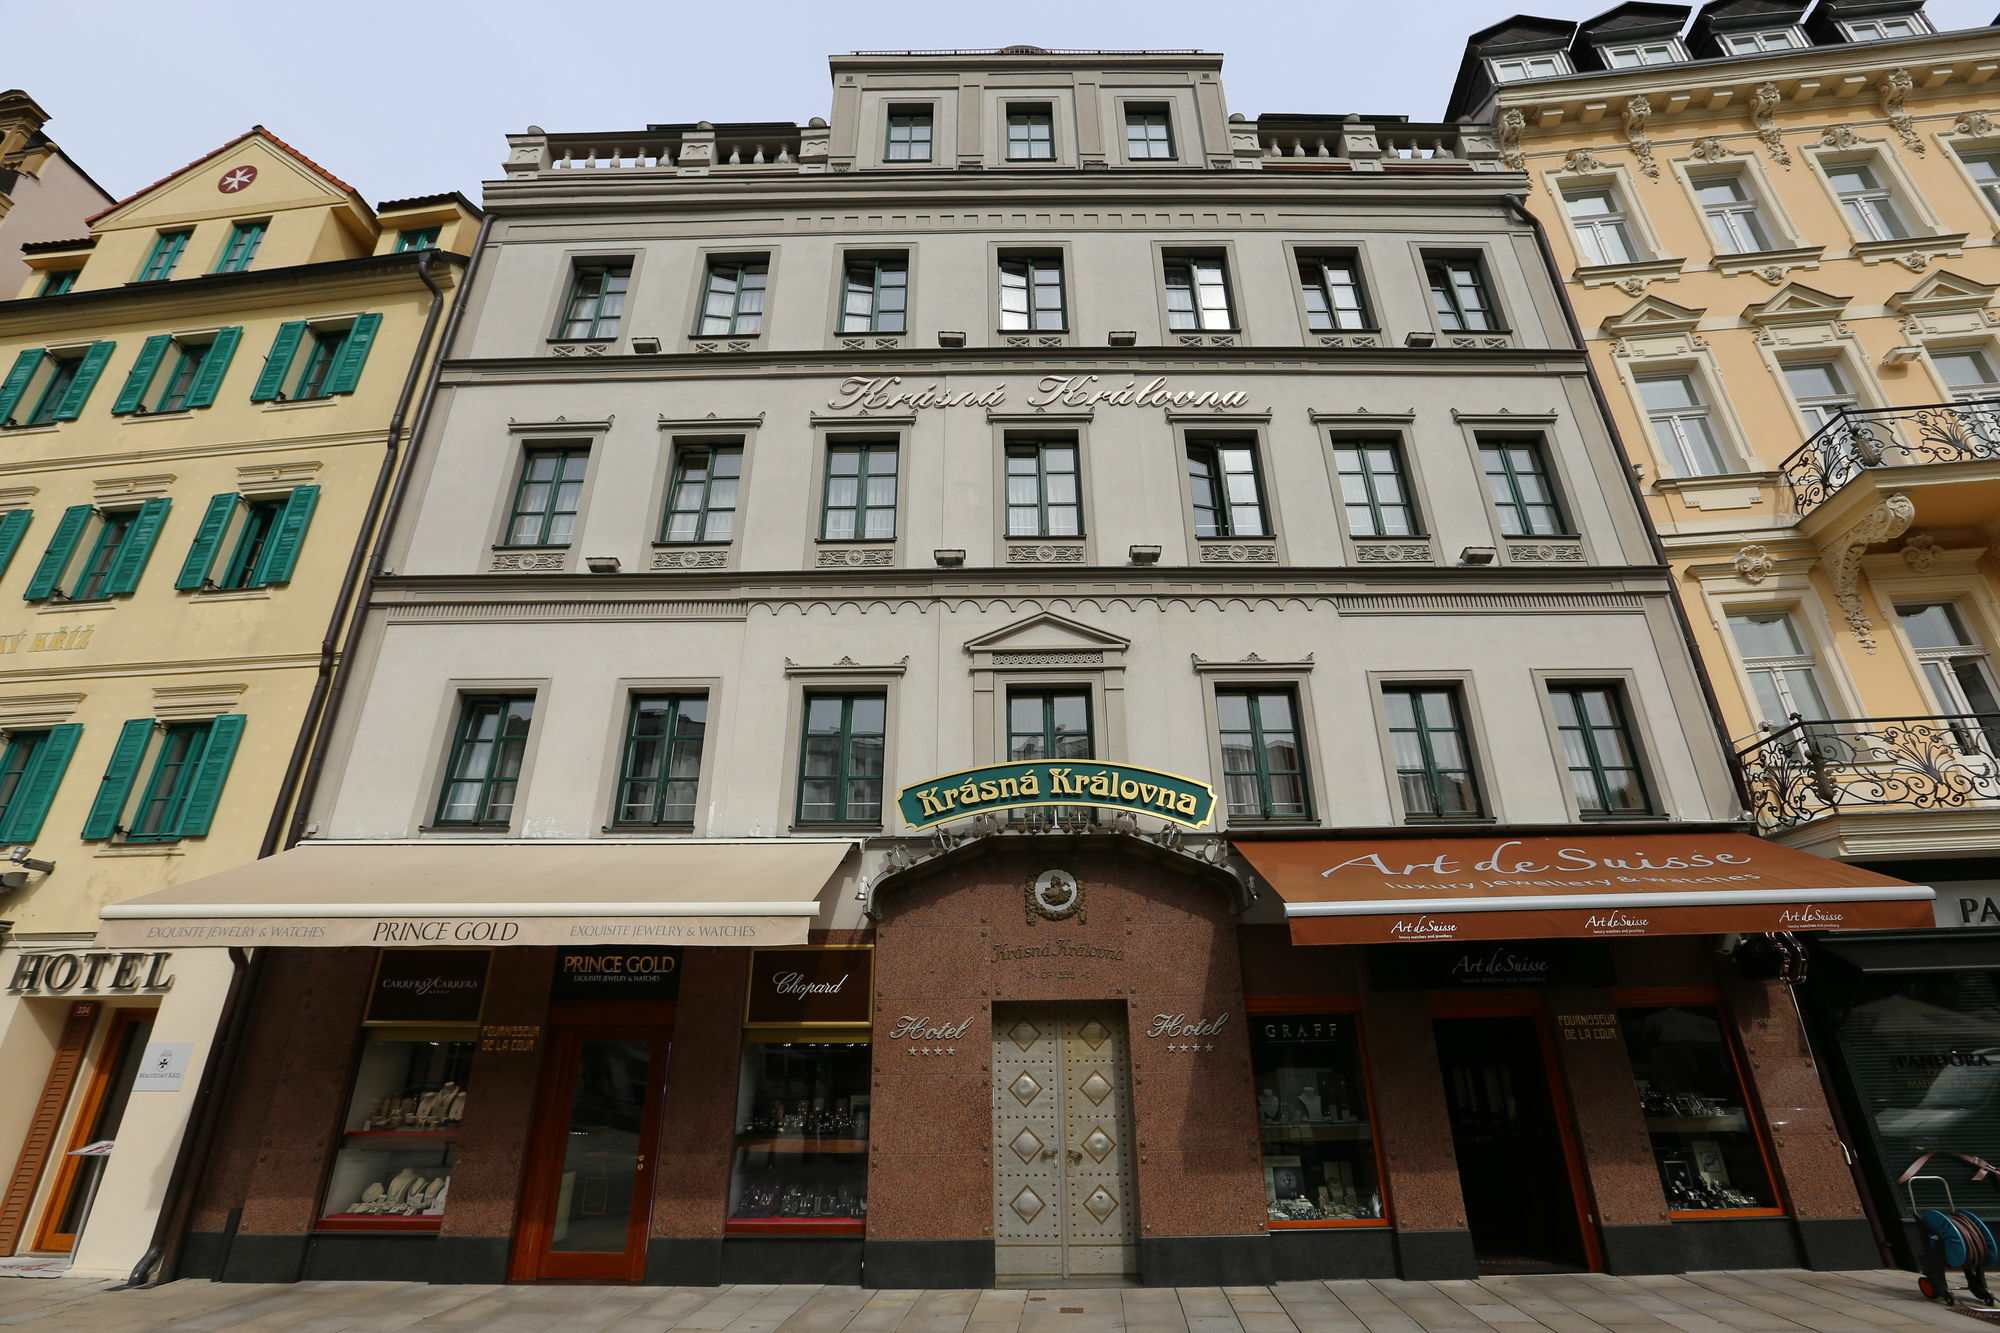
1613 885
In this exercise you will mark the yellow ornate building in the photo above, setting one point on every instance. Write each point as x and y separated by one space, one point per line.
204 404
1776 223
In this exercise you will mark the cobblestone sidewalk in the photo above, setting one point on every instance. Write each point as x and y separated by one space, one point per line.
1750 1302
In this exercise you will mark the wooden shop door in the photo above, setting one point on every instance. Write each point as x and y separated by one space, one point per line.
589 1190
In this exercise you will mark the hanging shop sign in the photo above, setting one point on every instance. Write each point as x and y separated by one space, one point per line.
428 986
810 987
1489 965
63 973
1969 902
886 393
1143 791
646 975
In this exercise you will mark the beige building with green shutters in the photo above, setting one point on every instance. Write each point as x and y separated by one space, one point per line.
204 403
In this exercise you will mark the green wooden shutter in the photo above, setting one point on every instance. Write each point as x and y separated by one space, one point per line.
61 547
13 527
16 383
140 378
346 372
37 789
119 775
207 540
205 787
288 533
208 380
92 365
279 360
136 549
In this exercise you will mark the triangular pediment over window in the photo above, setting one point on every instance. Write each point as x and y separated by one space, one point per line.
1943 293
1796 303
1047 633
1653 314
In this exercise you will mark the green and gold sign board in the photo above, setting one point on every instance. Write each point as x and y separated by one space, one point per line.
1143 791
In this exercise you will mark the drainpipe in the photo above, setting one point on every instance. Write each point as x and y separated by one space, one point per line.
1518 206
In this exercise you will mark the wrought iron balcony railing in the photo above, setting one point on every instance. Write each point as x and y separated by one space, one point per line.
1808 770
1860 438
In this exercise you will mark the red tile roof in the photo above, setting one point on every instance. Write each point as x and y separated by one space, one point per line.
254 130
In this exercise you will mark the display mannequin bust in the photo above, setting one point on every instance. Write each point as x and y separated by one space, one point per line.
1309 1099
1267 1104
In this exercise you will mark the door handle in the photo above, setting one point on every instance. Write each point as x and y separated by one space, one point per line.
641 1163
1075 1155
1047 1153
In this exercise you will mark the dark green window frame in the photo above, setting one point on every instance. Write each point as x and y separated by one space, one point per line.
875 295
316 375
1460 294
1031 132
1264 766
57 281
1599 749
732 298
596 301
164 256
1054 723
841 751
909 134
701 501
1198 293
1044 481
22 749
547 496
1336 298
858 502
418 238
62 374
157 818
244 239
1149 132
483 772
1435 770
658 780
1518 481
1375 489
258 520
112 530
180 382
1226 488
1033 294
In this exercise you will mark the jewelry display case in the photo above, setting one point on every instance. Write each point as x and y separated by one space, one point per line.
1705 1144
1320 1165
392 1171
801 1139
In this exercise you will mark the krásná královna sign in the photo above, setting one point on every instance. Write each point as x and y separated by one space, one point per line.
1143 791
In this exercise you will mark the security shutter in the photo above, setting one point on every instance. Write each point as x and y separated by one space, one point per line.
116 786
208 380
288 533
207 540
78 393
13 527
137 548
140 378
37 788
38 1144
205 788
272 382
61 547
16 383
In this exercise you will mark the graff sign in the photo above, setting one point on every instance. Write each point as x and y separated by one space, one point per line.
1143 791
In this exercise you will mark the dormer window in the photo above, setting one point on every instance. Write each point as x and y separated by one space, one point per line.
1883 29
1756 43
57 281
1643 53
1529 67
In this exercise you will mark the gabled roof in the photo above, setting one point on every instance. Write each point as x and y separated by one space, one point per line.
1522 31
254 132
424 200
1720 16
1636 19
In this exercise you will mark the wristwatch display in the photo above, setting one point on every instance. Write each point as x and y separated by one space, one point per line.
393 1168
1691 1093
801 1138
1312 1116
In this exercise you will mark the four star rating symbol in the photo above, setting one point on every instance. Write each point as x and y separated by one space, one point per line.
1191 1047
236 179
932 1050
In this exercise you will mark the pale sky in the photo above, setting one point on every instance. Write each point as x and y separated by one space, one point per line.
412 97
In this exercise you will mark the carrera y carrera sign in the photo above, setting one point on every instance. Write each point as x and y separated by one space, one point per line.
1143 791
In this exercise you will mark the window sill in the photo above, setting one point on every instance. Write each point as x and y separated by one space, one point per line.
1637 270
1276 821
232 595
44 428
641 830
141 849
803 826
133 418
1447 821
518 549
723 337
299 404
55 608
581 342
1616 816
1909 248
1758 261
465 830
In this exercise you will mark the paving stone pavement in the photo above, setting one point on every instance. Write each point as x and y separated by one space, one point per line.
1783 1301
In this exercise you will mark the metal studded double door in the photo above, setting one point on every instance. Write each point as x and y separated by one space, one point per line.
1064 1199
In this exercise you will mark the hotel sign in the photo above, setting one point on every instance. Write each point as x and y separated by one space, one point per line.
886 393
1143 791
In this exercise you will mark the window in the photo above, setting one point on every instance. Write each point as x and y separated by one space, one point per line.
1149 133
93 580
1984 168
1703 1127
1331 285
732 301
1312 1117
1870 206
1734 220
1048 724
877 295
316 374
1434 771
840 762
1528 67
165 254
193 378
244 238
55 388
1876 30
1517 479
1044 498
663 740
1783 677
1030 133
1263 757
333 361
1604 774
180 381
1031 293
1681 425
909 134
1374 490
1227 493
1969 373
157 816
860 501
259 517
1458 292
701 501
1642 53
1819 390
262 537
1751 43
483 774
418 238
1602 236
118 544
183 789
546 497
1198 293
57 281
1954 664
31 770
596 300
801 1159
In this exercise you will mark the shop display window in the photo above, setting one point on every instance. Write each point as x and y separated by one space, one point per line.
801 1138
393 1168
1705 1139
1320 1167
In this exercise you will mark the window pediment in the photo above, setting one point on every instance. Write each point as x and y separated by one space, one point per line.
1652 315
1796 303
1943 293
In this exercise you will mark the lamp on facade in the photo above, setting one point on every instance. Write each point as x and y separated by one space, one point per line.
1897 356
19 856
1420 338
951 337
646 346
601 564
1145 555
1478 555
949 556
1122 337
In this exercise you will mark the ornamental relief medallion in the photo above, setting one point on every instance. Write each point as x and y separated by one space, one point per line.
1045 555
505 562
1239 554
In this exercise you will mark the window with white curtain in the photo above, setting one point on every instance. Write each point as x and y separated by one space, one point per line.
1682 426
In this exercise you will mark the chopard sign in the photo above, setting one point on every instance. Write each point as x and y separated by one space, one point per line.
795 983
881 393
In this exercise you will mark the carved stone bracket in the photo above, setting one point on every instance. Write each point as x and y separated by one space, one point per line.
1512 122
1637 110
1764 104
1753 564
1893 89
1888 520
1582 159
1977 123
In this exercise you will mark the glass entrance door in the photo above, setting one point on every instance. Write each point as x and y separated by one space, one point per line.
590 1188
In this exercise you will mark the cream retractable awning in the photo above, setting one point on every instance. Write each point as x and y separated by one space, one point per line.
334 895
